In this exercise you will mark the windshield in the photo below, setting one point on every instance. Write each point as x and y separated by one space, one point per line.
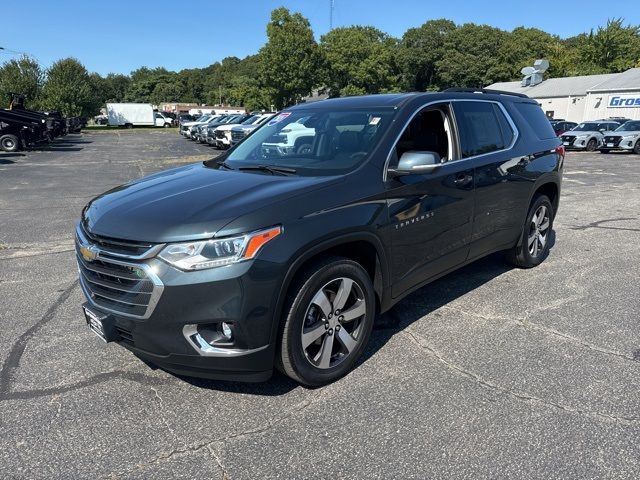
586 127
629 127
313 142
249 120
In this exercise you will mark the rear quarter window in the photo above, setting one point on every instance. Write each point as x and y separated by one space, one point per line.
535 117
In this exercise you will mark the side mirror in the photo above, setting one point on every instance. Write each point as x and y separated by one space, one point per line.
416 163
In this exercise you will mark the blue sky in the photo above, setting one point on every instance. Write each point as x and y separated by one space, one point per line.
119 36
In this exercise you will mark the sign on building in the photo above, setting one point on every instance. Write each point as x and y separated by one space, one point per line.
624 101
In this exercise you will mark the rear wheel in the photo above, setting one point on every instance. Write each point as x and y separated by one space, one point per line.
591 145
533 246
9 143
329 317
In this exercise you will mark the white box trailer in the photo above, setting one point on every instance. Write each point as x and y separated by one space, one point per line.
135 115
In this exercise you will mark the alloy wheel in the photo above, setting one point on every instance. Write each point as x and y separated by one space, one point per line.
538 231
333 322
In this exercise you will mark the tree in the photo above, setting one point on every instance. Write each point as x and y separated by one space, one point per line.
68 89
521 48
23 76
471 59
419 52
613 48
359 60
290 60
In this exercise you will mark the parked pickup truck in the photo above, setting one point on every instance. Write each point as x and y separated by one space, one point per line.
258 260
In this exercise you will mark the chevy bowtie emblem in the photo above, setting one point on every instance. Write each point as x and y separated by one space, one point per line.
89 253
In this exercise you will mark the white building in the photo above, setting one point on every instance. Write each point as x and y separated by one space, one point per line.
584 98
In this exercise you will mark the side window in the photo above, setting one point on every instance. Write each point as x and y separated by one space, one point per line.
534 116
429 131
505 126
480 128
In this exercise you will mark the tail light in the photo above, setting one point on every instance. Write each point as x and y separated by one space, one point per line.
560 150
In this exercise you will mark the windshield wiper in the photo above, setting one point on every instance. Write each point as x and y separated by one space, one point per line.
271 169
224 164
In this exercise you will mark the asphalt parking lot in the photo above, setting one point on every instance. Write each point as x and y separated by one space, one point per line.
490 372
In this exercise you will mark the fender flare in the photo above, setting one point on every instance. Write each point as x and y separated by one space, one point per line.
311 250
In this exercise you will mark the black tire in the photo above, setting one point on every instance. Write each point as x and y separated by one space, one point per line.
292 358
128 125
521 255
603 150
636 148
9 143
167 125
591 145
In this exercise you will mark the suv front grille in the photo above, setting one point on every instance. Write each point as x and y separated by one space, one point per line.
569 139
117 285
117 247
612 139
219 134
237 136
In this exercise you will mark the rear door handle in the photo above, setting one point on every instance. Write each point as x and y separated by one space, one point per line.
463 179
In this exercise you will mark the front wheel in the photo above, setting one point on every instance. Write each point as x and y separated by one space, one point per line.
329 317
636 148
9 143
533 246
591 145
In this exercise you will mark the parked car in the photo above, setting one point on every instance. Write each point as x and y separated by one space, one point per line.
240 132
185 127
208 132
562 126
184 117
626 138
192 126
229 267
588 135
200 132
222 135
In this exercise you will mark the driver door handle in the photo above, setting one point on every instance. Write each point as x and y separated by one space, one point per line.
463 179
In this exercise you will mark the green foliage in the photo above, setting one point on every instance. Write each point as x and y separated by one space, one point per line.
418 53
352 60
290 59
359 60
23 76
68 89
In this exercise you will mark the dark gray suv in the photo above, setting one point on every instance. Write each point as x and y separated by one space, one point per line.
267 257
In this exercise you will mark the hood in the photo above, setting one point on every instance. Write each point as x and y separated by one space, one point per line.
189 202
581 133
227 126
623 133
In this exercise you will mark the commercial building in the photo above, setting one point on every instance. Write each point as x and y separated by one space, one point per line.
586 97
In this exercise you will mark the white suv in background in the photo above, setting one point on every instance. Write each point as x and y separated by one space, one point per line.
222 134
625 138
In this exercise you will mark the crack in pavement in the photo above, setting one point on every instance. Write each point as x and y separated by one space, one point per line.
487 385
526 324
12 362
598 224
209 443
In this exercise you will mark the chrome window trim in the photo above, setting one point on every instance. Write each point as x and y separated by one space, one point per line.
156 293
514 128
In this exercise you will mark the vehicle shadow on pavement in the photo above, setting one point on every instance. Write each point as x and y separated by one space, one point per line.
412 308
436 295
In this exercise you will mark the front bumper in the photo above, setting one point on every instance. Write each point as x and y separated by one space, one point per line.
626 144
577 144
175 332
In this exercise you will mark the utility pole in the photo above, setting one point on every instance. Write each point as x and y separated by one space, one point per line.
331 15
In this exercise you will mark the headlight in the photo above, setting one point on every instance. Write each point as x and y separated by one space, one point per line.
202 254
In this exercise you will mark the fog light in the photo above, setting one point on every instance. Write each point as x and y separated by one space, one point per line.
226 330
